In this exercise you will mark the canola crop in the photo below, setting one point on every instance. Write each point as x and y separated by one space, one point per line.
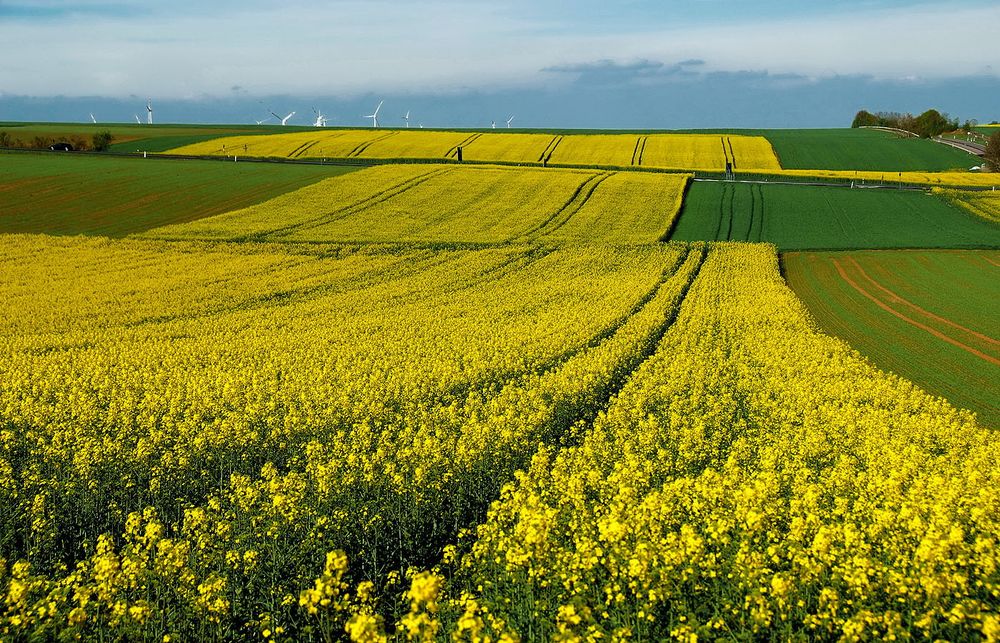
435 402
754 477
691 458
307 419
930 179
670 151
451 204
985 204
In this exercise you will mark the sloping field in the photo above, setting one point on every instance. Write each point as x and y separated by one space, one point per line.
982 204
930 316
215 441
708 152
677 151
449 204
624 208
863 149
807 217
511 148
59 194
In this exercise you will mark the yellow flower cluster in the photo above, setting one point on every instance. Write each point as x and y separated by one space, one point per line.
930 179
755 477
674 151
360 399
985 204
448 204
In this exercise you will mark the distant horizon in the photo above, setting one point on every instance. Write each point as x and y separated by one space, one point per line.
641 64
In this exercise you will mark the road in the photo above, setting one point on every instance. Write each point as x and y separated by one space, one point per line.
972 148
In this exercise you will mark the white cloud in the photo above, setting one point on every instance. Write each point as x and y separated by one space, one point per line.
355 46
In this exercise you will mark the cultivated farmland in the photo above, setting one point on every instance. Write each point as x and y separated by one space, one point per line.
116 197
931 316
450 204
674 151
863 149
431 401
799 217
982 204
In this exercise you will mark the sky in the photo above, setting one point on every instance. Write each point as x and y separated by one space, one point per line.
551 63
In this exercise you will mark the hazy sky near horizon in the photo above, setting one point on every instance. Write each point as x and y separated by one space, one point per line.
209 51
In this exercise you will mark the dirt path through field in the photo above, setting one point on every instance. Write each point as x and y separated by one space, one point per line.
936 333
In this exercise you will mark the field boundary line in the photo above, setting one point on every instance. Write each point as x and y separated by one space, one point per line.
897 298
878 302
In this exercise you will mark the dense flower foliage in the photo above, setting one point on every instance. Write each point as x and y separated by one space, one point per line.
672 151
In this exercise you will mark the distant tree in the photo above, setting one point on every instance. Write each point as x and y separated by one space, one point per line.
102 141
865 118
40 143
933 123
992 155
970 124
5 140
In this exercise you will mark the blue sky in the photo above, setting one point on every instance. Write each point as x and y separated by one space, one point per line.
584 63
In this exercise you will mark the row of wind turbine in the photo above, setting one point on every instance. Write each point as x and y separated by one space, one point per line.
322 120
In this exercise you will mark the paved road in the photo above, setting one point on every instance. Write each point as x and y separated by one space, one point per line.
972 148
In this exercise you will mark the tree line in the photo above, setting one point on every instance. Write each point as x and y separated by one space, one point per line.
99 142
930 123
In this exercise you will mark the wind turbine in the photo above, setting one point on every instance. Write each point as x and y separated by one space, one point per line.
407 119
374 116
283 120
320 119
263 121
149 112
92 119
493 124
137 121
509 121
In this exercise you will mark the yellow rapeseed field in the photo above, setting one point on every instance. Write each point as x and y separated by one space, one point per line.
709 152
933 179
468 403
695 458
512 148
456 204
985 204
673 151
231 421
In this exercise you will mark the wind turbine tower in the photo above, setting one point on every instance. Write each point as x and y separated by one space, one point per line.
320 119
283 120
509 121
407 119
493 124
374 116
149 112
